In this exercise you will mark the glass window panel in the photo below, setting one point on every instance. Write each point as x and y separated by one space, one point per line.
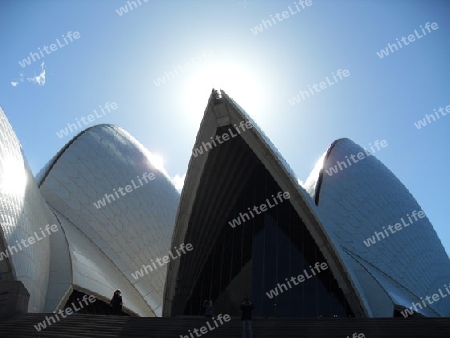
278 246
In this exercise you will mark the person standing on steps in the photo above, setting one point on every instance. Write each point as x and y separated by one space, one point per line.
208 308
116 303
246 318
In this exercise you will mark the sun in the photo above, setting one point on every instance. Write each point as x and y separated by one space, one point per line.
239 82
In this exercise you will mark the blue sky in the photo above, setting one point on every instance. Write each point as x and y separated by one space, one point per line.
119 58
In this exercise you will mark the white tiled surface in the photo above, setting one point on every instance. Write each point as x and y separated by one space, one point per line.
22 212
106 245
96 273
94 249
134 228
60 278
363 198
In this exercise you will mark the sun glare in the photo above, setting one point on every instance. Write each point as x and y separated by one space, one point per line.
239 82
13 179
157 161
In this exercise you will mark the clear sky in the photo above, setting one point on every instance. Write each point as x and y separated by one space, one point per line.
117 57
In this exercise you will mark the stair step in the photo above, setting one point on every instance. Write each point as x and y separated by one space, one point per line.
101 326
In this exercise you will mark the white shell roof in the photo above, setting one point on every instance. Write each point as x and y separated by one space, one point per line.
353 204
360 200
131 230
23 211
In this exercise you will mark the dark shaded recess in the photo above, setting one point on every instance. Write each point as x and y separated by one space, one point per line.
229 263
320 180
228 167
98 307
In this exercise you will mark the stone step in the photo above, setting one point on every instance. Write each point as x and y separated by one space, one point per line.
100 326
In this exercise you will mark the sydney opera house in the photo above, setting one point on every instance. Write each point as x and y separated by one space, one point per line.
70 231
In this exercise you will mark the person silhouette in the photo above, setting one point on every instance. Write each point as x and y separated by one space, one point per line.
246 318
116 303
208 308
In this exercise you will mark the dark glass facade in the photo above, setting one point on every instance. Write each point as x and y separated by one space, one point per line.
253 257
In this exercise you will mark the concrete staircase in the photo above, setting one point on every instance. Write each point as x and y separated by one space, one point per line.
93 326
